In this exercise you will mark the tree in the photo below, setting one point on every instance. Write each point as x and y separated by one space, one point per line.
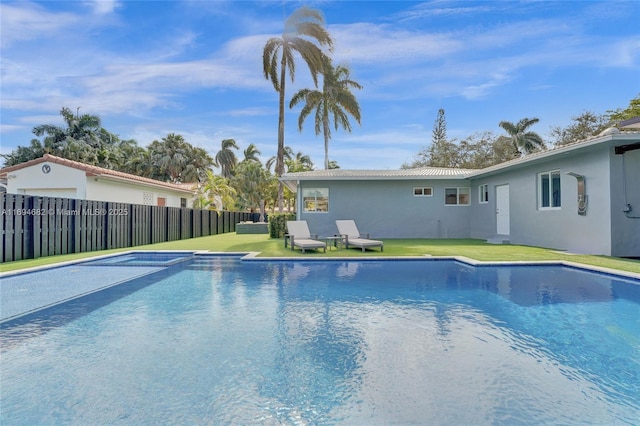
439 133
335 100
525 141
633 110
251 153
214 193
477 151
226 158
304 34
299 163
441 153
251 182
583 126
175 160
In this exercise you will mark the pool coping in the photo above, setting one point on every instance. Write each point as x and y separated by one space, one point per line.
253 256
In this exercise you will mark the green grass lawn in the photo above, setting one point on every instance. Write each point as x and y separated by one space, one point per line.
474 249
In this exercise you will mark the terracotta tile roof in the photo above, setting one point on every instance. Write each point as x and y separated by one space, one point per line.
98 171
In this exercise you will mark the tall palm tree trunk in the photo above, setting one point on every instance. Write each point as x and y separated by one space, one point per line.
327 136
280 154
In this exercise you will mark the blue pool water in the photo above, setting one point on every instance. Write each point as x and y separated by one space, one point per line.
217 340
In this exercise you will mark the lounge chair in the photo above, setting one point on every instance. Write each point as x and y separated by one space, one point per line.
299 236
352 237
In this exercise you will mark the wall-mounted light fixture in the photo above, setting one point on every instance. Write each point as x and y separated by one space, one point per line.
582 195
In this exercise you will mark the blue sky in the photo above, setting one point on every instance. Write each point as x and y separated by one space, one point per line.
149 68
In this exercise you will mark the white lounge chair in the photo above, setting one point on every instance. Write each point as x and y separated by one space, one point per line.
352 237
299 236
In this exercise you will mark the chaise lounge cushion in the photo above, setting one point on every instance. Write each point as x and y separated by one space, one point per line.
352 237
299 236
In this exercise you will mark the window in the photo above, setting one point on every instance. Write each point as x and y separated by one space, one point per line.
457 196
549 196
183 202
423 192
483 194
315 200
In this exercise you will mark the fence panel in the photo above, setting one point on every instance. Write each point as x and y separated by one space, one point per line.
34 226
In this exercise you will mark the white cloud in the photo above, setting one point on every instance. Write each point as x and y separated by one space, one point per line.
103 7
29 21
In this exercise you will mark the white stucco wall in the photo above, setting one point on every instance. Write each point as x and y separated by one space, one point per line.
625 190
60 181
106 189
67 182
559 228
388 209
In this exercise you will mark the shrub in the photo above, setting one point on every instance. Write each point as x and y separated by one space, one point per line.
278 224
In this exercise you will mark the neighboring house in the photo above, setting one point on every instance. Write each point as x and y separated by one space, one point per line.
582 197
52 176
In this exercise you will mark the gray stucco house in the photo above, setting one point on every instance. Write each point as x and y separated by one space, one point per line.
582 197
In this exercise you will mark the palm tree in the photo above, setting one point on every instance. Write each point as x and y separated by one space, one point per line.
214 193
525 142
335 100
80 140
226 158
305 34
251 153
169 158
251 183
299 163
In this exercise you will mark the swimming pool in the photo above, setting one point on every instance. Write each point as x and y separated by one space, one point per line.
218 340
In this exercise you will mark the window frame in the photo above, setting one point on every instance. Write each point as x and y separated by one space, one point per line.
547 189
458 194
316 192
483 196
422 189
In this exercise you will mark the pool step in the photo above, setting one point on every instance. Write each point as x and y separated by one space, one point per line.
499 239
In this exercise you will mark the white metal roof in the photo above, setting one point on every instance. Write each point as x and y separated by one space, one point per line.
343 174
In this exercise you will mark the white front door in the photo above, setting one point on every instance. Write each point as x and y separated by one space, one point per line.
502 210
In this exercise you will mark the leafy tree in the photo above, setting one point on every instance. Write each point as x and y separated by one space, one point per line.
79 140
299 163
633 110
304 34
477 151
226 159
583 126
251 182
177 161
525 141
251 153
24 153
214 193
335 100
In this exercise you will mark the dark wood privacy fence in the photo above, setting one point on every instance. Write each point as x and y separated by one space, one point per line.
35 227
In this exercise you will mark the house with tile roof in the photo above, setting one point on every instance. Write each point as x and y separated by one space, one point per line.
53 176
582 197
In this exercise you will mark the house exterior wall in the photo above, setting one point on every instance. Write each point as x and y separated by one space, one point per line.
625 189
68 182
389 209
560 228
105 189
60 181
